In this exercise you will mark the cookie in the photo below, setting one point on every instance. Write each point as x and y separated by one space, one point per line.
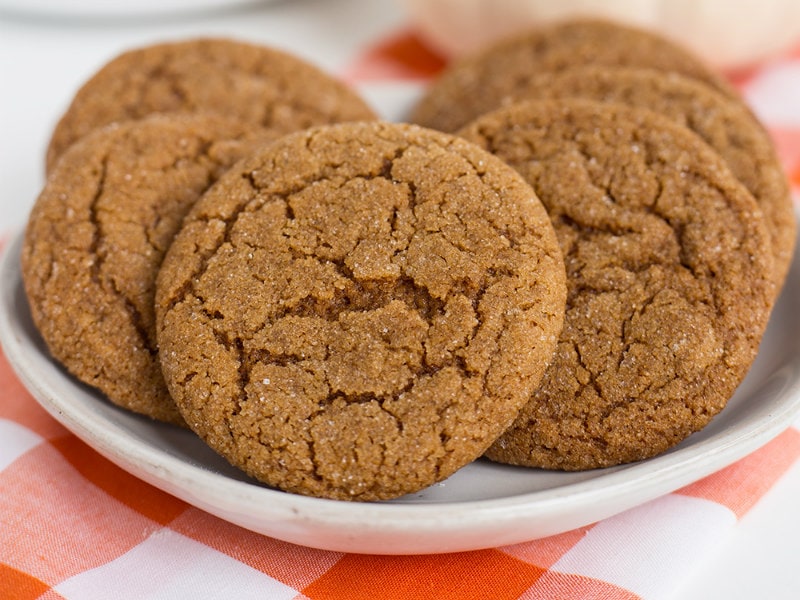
251 83
669 280
726 125
359 310
96 237
483 81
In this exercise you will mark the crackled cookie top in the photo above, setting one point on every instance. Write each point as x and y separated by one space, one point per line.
487 79
97 234
256 84
359 310
669 278
725 124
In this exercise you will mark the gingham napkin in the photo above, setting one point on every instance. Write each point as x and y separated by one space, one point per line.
74 526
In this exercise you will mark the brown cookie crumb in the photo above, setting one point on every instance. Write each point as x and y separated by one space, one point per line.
359 310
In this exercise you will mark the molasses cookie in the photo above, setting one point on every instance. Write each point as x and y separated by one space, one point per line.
486 80
96 237
251 83
669 280
358 310
725 124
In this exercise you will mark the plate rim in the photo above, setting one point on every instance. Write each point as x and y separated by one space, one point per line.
630 485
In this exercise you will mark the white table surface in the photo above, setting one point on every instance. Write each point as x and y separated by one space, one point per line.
46 53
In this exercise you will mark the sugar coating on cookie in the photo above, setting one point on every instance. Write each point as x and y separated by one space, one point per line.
724 123
249 82
96 236
669 277
487 79
359 310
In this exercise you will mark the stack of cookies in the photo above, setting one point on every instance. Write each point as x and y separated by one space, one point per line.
673 215
142 140
568 262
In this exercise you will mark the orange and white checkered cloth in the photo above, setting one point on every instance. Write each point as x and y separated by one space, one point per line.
74 526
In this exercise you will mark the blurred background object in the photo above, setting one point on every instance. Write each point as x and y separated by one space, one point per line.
95 9
727 34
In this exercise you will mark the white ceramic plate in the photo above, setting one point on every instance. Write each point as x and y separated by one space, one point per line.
483 505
